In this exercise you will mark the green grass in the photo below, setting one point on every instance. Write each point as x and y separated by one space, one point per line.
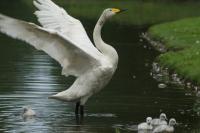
139 12
179 34
185 62
182 38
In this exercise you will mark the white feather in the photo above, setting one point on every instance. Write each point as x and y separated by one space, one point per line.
74 60
54 17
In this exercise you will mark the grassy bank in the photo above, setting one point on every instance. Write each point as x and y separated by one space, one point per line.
139 12
182 39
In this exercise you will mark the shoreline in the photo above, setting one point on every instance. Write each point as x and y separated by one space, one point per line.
156 44
180 59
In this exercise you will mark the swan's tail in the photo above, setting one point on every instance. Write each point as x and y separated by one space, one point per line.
54 97
57 98
66 96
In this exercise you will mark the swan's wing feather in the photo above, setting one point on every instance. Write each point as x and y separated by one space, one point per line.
51 16
72 58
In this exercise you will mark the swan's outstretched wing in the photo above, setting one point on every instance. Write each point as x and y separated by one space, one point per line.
54 17
72 58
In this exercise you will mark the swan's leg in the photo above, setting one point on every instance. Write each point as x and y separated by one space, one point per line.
82 110
77 108
82 103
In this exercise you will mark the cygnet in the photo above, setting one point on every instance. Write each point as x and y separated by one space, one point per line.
160 121
28 112
166 128
146 125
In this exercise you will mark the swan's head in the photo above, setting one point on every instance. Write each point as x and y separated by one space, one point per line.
109 12
148 120
172 122
163 116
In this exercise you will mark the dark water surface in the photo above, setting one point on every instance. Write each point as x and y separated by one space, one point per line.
28 77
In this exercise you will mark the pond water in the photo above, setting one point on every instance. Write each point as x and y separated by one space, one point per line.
28 77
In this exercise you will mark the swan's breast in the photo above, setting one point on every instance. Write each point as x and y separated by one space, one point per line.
102 76
94 80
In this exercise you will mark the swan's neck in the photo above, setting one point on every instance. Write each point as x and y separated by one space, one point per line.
104 48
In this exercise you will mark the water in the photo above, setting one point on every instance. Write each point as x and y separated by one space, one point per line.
28 77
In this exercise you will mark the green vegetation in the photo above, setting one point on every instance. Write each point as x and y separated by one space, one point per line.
139 12
182 39
179 34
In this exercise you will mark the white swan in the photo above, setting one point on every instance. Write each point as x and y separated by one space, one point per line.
159 121
145 126
166 128
64 39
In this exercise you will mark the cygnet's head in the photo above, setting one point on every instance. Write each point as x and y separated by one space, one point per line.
163 116
148 120
26 108
172 122
109 12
